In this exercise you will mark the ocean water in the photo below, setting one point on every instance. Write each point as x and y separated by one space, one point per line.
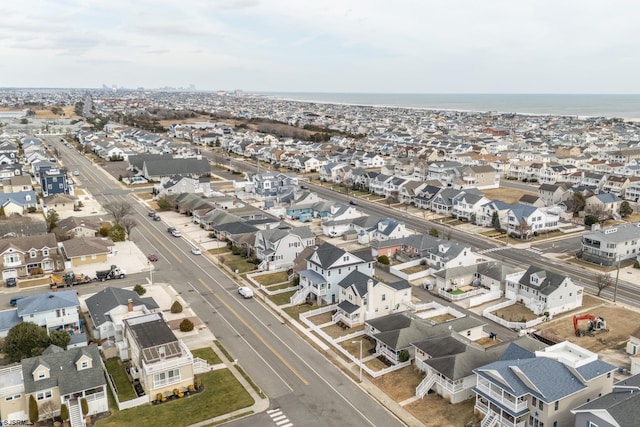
620 106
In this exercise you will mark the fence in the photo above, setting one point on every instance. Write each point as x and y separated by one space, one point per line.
396 270
513 325
334 342
479 300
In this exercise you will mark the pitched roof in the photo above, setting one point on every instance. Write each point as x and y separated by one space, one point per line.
101 303
47 301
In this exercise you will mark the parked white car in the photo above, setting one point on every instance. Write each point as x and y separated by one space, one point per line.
196 251
245 291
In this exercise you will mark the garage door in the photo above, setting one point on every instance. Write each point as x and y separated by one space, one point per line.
9 273
17 416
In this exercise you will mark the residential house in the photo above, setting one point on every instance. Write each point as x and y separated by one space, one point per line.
54 181
616 185
523 221
61 203
278 247
492 210
531 200
274 185
326 267
481 177
552 194
445 172
158 360
604 205
109 307
18 203
397 332
540 390
543 291
26 256
53 311
450 359
611 245
178 184
86 250
17 183
362 298
438 253
467 206
54 378
154 169
78 227
618 408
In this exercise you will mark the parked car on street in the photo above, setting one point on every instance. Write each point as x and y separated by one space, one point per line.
152 257
176 233
196 251
10 282
171 229
245 291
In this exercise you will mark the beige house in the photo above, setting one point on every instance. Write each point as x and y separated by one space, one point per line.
61 203
161 362
29 255
480 177
17 183
54 378
86 250
78 227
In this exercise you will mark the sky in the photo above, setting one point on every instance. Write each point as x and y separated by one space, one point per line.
354 46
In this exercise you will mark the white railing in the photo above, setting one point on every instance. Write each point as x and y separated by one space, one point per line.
75 415
178 362
513 405
200 365
341 317
457 297
300 295
426 384
490 420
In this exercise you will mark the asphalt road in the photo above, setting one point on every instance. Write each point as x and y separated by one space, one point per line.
294 376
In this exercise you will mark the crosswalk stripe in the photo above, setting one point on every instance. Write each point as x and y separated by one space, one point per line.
278 418
271 411
279 423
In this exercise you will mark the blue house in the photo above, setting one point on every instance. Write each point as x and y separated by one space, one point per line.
54 181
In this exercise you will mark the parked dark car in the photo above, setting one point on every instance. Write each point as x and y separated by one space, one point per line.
10 282
156 217
14 301
153 257
353 202
151 214
171 229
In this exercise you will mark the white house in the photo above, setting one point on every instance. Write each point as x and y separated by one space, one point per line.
279 247
544 291
362 298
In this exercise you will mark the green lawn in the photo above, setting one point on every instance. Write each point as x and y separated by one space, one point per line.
296 310
281 299
236 262
272 279
222 394
219 251
116 369
457 292
207 354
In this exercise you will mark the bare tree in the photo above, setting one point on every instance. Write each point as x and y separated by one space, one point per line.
129 224
603 281
119 210
47 410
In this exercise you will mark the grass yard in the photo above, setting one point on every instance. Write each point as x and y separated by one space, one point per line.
296 310
377 365
222 394
116 369
415 269
236 262
353 346
281 299
272 279
219 251
207 354
284 285
457 292
320 319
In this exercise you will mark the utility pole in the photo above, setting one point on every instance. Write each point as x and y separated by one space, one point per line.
615 288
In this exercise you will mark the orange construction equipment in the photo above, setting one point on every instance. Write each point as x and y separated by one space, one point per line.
595 325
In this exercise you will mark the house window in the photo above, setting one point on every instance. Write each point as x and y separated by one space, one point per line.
384 297
84 365
540 404
609 375
14 397
44 395
166 378
534 401
41 375
11 258
33 254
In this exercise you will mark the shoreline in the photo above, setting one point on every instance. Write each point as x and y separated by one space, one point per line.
582 116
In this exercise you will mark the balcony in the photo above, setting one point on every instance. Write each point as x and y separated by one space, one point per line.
500 396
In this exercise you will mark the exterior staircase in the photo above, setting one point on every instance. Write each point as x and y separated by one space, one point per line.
301 295
490 420
75 414
200 366
425 385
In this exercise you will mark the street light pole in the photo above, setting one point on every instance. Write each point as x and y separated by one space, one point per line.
150 272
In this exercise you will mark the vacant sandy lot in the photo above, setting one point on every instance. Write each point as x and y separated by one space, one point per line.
621 322
434 411
507 195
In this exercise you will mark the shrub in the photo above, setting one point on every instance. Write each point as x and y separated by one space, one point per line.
84 405
403 356
383 259
64 412
159 397
197 382
176 307
139 289
186 325
589 220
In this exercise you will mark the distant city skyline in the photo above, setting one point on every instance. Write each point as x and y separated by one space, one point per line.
351 46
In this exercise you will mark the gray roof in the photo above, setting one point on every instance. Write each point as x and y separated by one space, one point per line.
358 280
47 301
150 330
170 166
62 370
8 319
622 404
347 306
549 283
328 254
101 303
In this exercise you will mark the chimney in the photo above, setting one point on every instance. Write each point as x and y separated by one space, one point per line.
130 305
369 291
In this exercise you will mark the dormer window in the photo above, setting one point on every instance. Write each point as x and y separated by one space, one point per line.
84 365
45 252
33 254
41 375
